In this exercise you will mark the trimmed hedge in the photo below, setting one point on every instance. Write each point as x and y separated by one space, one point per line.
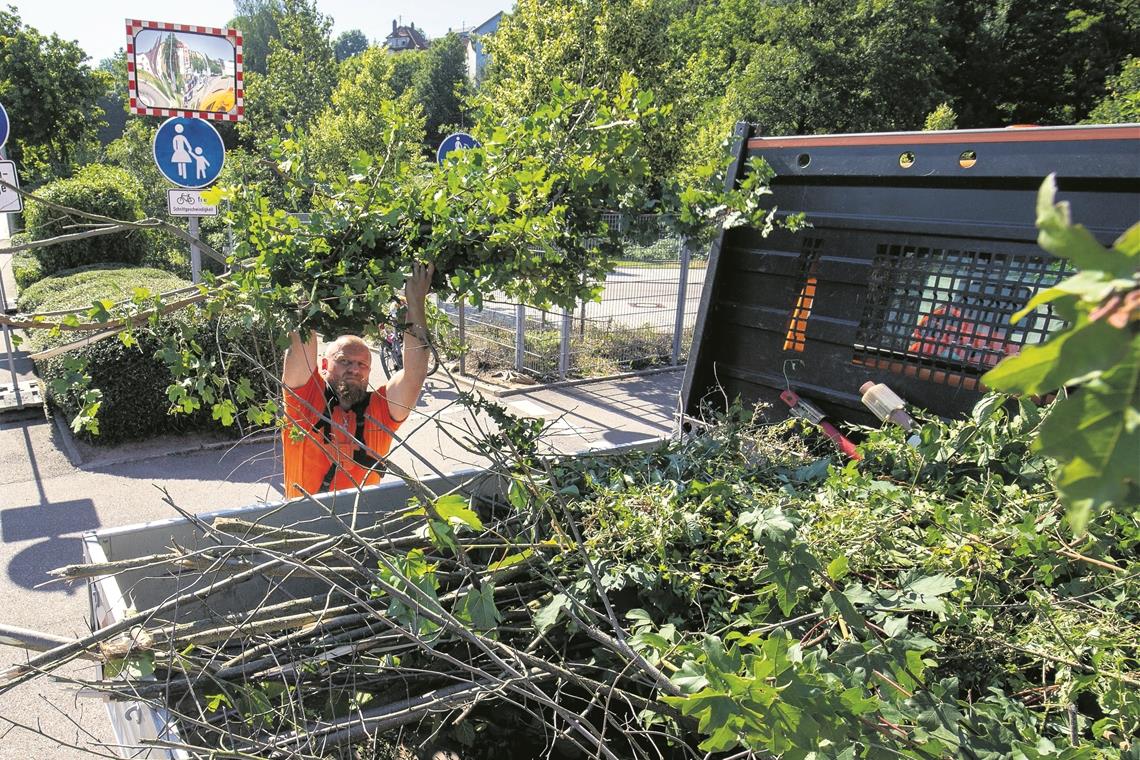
26 268
133 379
99 189
76 288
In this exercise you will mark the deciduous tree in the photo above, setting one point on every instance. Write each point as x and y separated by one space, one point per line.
51 96
440 86
1121 104
350 42
358 117
299 78
258 22
592 43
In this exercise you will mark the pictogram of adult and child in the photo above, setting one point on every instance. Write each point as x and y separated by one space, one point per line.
184 153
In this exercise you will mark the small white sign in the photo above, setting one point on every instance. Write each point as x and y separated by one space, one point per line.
182 202
11 202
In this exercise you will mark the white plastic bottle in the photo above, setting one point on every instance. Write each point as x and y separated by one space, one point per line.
888 406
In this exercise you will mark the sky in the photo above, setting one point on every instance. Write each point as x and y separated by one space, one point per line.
100 26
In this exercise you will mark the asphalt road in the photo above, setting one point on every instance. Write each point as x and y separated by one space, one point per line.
632 297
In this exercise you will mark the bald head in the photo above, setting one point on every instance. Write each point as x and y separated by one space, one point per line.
347 344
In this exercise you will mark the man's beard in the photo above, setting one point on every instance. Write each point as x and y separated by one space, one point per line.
350 393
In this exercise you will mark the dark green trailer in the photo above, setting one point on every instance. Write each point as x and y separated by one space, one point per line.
922 245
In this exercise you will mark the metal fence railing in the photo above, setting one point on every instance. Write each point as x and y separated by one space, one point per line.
644 318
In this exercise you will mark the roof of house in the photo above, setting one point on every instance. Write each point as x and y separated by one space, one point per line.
415 35
488 26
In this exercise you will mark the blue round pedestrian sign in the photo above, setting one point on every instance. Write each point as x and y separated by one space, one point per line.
456 141
3 126
189 152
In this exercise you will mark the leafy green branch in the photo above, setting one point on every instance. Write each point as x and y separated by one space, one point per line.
1094 363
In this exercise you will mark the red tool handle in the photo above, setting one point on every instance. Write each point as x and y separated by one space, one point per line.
806 411
845 445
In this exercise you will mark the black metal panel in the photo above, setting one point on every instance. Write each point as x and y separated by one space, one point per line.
911 268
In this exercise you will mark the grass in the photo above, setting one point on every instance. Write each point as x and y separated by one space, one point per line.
635 264
595 352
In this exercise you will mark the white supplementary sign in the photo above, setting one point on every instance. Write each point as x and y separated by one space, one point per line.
182 202
11 202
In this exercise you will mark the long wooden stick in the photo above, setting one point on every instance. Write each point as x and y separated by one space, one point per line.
57 656
35 641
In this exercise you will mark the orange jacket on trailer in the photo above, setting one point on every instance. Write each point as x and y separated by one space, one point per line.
325 456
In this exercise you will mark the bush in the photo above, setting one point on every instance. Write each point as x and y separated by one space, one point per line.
133 379
97 189
26 269
80 287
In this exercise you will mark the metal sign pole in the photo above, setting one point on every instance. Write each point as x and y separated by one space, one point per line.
11 352
195 254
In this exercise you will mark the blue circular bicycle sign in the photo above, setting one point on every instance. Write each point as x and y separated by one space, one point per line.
189 152
456 141
3 126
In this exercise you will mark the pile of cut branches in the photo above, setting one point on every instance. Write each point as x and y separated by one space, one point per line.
735 592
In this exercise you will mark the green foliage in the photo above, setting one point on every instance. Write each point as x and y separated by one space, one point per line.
942 117
365 116
830 66
95 189
428 87
1034 61
136 395
591 43
516 215
114 102
1095 431
404 68
945 578
50 95
133 152
133 397
26 268
817 67
523 215
1121 103
79 288
258 22
299 78
440 86
349 43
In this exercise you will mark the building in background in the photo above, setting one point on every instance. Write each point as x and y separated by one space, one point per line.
477 57
405 38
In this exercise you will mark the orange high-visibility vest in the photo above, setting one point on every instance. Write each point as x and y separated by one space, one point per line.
326 456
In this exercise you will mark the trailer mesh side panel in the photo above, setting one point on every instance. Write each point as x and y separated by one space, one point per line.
951 308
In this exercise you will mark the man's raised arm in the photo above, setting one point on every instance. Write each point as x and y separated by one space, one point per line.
300 360
403 390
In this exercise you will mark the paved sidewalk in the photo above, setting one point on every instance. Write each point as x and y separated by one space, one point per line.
52 490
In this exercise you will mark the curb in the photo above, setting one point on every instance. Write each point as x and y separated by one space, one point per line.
585 381
192 448
500 391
